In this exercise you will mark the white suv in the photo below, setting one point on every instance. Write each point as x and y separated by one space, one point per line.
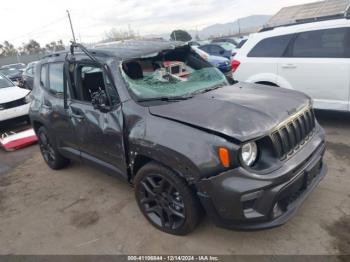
14 101
313 58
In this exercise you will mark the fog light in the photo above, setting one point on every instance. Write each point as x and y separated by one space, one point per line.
277 211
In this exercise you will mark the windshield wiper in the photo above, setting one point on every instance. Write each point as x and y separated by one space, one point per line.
206 90
166 98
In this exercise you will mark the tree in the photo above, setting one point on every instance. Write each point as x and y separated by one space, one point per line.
117 35
7 49
180 35
32 47
55 46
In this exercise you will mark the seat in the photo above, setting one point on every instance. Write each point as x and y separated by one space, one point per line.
134 70
92 82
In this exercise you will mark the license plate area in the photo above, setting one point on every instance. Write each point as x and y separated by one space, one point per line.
312 173
299 186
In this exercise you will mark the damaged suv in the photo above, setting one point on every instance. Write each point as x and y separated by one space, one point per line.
186 137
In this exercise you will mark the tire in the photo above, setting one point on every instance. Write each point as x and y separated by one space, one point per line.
49 151
166 200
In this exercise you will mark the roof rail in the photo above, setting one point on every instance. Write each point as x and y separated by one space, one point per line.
309 13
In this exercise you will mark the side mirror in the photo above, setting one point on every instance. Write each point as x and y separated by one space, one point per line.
222 52
100 101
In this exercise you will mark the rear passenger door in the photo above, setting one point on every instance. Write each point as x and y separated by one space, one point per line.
318 64
57 119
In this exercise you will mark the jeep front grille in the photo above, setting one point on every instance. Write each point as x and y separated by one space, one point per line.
293 133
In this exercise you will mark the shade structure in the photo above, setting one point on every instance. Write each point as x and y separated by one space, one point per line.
321 10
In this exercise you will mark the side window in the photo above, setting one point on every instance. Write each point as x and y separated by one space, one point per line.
92 79
329 43
56 78
31 71
216 49
205 49
43 75
271 47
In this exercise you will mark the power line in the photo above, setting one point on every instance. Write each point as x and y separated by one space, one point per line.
38 30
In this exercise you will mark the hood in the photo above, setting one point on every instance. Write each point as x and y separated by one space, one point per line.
12 93
242 111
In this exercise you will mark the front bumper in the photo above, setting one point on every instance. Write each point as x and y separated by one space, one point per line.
14 112
237 199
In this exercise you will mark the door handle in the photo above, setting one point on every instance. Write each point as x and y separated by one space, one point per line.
289 66
77 116
47 105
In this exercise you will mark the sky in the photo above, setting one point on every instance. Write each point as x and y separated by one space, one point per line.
46 21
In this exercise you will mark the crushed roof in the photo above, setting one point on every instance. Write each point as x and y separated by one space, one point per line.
136 48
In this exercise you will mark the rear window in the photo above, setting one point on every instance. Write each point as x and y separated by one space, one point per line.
56 79
43 75
271 47
329 43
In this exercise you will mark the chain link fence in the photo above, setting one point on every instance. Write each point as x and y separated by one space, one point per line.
7 60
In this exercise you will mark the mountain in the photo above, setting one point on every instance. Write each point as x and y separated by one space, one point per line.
244 25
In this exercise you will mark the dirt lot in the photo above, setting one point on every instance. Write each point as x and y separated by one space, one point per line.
82 211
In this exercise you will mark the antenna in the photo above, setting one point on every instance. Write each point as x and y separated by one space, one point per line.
71 26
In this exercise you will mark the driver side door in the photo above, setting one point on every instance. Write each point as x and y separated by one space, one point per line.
100 134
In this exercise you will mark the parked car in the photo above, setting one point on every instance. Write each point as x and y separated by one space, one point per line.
15 75
221 63
219 49
241 43
225 39
194 43
311 57
230 47
14 101
28 75
249 154
19 66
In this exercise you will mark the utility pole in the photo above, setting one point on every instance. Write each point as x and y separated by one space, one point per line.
239 27
71 26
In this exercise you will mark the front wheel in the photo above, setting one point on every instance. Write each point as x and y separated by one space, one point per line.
166 200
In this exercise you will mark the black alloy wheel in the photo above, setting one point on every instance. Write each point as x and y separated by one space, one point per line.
166 200
49 152
162 202
46 148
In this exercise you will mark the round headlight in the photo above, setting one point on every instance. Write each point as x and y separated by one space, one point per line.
249 153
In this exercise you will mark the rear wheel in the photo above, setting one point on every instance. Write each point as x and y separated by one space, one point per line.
49 152
166 200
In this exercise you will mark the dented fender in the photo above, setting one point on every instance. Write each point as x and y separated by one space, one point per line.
191 152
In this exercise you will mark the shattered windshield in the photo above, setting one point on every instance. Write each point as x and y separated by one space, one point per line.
169 79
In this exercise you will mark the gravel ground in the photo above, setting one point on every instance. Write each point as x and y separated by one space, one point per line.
82 211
